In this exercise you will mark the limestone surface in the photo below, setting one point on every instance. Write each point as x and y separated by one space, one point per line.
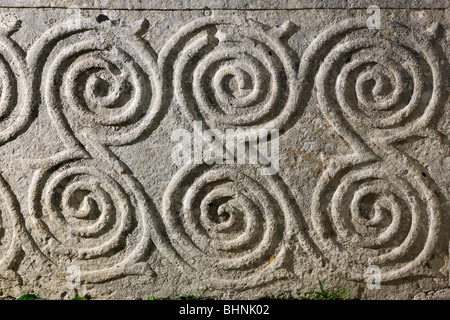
346 104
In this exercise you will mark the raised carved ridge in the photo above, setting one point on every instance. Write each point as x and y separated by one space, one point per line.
105 87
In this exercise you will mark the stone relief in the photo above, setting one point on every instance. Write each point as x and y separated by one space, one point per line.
104 86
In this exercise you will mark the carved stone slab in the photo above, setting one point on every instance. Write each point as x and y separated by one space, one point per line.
350 106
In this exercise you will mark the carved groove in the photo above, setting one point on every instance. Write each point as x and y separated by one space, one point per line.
104 87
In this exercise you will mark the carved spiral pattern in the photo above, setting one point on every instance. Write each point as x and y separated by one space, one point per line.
103 84
227 224
85 217
109 84
376 217
9 226
376 213
231 79
392 86
15 109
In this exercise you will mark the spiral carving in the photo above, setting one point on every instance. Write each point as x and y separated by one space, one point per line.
86 217
378 83
377 206
229 78
15 108
226 224
376 216
105 80
9 227
105 87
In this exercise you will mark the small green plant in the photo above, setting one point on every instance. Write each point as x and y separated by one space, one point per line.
29 297
192 295
327 294
78 298
151 298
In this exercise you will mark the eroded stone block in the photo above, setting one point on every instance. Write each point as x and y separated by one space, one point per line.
112 187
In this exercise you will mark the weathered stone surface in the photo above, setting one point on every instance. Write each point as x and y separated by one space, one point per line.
91 96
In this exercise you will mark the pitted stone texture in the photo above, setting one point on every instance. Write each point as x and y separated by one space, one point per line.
226 4
89 99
